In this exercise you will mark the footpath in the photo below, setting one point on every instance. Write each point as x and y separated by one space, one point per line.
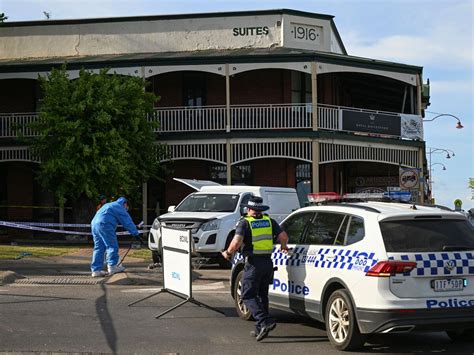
75 269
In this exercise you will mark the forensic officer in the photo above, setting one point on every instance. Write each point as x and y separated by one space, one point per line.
255 233
103 228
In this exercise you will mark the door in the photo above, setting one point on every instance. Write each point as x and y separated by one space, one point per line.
288 289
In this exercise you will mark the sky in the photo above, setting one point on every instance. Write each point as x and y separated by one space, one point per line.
434 34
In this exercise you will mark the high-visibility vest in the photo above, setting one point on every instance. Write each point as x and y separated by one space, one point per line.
262 234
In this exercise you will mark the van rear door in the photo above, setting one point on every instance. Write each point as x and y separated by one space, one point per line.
441 247
197 184
281 204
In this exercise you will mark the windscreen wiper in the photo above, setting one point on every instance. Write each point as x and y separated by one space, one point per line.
457 247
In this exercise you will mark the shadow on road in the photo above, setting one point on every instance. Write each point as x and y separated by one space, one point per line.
42 298
105 320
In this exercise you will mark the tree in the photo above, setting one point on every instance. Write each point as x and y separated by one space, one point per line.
471 186
3 18
94 137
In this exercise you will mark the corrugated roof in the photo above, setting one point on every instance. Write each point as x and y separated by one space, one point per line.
244 55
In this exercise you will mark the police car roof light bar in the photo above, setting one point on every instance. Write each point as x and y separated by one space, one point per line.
387 196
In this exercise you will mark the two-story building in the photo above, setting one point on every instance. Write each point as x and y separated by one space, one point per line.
259 97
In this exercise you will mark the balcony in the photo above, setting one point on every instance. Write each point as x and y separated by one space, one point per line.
242 118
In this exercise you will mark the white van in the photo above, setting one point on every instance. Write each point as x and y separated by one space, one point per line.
213 212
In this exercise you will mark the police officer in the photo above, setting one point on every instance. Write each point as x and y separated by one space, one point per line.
255 233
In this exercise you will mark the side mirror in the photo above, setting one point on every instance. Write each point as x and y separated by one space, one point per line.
243 210
171 209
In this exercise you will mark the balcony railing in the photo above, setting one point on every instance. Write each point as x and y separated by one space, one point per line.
14 125
186 119
213 118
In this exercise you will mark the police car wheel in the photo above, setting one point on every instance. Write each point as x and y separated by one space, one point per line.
461 335
341 324
240 307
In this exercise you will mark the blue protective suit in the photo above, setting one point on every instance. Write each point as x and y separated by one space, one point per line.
103 227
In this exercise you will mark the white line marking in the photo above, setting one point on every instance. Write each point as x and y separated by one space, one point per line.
212 287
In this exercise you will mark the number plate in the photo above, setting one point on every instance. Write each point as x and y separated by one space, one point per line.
447 284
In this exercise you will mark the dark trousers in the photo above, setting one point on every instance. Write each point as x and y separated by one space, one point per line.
258 275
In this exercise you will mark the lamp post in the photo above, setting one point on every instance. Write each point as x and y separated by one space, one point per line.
449 153
458 124
431 178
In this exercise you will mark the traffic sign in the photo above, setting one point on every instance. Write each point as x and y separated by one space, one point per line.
457 204
409 178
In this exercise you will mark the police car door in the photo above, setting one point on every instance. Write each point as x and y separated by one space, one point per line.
288 290
321 242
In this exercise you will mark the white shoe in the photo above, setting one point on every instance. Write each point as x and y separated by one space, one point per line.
114 269
98 274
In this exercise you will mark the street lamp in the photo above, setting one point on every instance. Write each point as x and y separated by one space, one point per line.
431 178
458 125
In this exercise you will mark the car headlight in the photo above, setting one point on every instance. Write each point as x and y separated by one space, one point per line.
211 225
156 224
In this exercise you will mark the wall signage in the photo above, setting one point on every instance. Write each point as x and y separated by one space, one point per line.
369 122
250 31
305 33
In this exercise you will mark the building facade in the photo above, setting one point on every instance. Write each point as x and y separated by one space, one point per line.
262 98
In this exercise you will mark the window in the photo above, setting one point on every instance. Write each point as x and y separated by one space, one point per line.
356 231
427 235
208 203
342 232
296 225
300 88
194 89
324 228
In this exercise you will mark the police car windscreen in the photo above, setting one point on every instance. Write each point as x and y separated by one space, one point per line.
427 235
208 203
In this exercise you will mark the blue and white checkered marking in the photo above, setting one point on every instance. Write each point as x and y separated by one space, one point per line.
345 259
293 258
432 264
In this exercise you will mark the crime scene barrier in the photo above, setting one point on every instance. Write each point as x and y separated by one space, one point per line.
40 227
177 269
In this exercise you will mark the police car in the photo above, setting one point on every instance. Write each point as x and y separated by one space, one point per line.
374 267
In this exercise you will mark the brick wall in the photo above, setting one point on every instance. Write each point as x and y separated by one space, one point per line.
186 169
274 172
20 191
268 86
18 95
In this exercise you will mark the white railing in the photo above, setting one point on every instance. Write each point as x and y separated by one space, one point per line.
213 118
16 124
184 119
282 116
329 117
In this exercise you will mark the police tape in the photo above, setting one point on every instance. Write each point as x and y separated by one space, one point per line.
65 225
60 231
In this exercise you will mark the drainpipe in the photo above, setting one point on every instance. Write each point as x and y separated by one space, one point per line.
315 141
419 84
227 125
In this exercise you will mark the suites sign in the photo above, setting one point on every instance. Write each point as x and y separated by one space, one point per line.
250 31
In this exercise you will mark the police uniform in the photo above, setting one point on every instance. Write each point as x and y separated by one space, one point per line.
258 237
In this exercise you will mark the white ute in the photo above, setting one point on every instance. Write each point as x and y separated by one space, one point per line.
213 212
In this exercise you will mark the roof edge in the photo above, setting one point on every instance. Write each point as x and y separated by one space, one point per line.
166 17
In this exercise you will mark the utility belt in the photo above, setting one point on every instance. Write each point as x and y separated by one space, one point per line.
249 258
